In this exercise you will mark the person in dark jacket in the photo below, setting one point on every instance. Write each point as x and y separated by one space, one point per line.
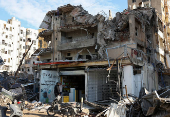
57 89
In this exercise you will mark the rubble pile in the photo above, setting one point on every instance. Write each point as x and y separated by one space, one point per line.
4 100
117 29
153 104
34 105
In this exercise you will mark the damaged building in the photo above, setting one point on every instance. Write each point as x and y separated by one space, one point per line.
95 56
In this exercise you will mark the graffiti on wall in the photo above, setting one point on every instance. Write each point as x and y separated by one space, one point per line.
47 84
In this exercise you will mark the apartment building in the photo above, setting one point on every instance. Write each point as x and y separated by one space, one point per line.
82 47
162 7
14 42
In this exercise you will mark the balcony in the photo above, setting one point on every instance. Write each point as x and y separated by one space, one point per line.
42 51
46 34
77 44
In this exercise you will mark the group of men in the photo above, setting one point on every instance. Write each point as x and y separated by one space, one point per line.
58 89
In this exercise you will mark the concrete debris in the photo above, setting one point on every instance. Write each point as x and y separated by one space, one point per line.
117 29
116 110
34 105
153 104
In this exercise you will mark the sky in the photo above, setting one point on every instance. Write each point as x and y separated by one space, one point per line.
31 12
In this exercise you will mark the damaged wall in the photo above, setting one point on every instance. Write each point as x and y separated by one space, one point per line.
48 80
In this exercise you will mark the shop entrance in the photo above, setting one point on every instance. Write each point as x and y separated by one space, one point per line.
74 87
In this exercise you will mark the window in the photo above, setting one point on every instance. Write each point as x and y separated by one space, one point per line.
8 60
6 36
88 57
3 42
136 31
4 26
10 36
34 42
133 1
21 39
10 28
23 47
34 49
9 52
4 60
6 44
28 69
29 39
40 42
68 58
21 31
7 29
22 69
9 45
68 54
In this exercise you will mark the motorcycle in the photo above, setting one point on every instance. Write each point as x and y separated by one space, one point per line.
57 107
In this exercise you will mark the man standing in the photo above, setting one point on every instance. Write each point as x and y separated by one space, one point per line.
56 89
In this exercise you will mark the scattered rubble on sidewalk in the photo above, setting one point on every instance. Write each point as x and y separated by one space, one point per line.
155 104
34 105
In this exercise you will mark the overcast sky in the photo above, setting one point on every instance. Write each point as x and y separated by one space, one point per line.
32 12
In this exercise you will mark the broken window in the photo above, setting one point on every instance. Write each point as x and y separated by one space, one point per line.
80 57
133 1
88 57
40 42
29 39
136 31
68 58
68 54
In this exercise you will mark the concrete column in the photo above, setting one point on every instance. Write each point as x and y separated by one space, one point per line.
132 26
128 80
